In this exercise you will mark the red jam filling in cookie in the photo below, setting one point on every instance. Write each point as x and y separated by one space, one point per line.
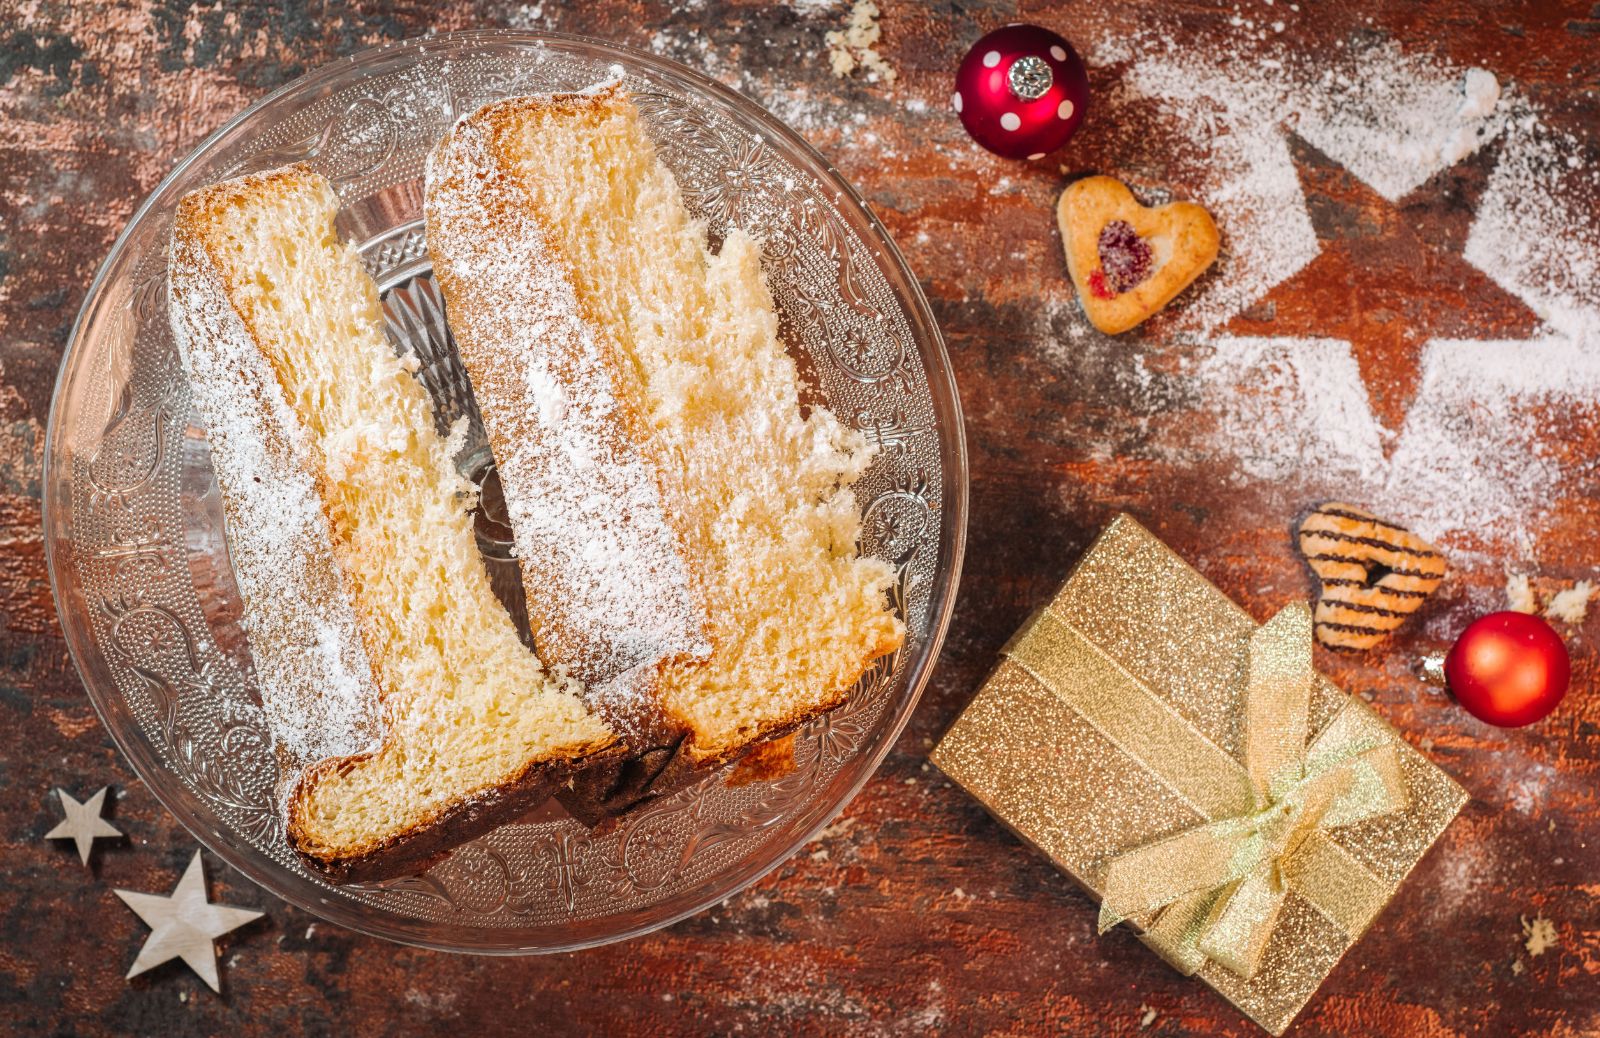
1125 260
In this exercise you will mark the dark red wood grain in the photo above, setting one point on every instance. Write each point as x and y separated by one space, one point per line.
914 913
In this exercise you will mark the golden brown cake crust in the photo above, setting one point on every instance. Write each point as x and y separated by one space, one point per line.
766 761
419 848
624 783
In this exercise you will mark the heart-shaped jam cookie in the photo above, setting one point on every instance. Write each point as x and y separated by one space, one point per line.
1129 261
1374 574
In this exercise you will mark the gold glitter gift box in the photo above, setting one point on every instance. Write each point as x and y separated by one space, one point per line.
1191 770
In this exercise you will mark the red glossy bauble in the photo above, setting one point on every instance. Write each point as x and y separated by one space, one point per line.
1021 91
1509 669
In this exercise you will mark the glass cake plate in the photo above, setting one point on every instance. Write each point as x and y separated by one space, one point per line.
133 521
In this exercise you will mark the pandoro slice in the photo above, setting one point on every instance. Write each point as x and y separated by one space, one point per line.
565 192
612 592
409 715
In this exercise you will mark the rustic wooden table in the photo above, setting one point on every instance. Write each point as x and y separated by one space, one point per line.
914 912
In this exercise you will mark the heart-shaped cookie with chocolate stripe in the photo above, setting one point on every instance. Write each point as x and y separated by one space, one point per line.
1374 574
1127 260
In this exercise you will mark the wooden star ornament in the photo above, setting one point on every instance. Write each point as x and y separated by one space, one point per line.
184 925
83 824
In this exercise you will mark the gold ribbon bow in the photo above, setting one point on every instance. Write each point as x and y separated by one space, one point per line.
1218 887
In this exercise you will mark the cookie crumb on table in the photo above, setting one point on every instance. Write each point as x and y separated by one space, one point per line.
1541 935
1572 605
855 46
1519 594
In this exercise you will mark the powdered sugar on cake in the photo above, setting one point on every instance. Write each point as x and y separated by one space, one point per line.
586 507
312 668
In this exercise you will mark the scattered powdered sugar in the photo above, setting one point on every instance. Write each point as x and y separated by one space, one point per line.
796 104
1535 231
1395 119
1470 458
1284 385
609 587
1246 176
312 669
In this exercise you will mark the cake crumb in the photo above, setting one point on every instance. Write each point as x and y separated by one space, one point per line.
1541 935
1148 1018
838 828
1572 605
855 46
1519 594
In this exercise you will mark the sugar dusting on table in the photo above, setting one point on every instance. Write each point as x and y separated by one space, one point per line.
1469 460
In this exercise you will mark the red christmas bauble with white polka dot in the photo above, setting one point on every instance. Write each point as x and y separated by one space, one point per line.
1021 91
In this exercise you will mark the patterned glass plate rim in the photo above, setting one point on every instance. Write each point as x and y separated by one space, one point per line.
137 557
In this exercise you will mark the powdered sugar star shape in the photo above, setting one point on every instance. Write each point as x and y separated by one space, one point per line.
1388 280
1294 411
